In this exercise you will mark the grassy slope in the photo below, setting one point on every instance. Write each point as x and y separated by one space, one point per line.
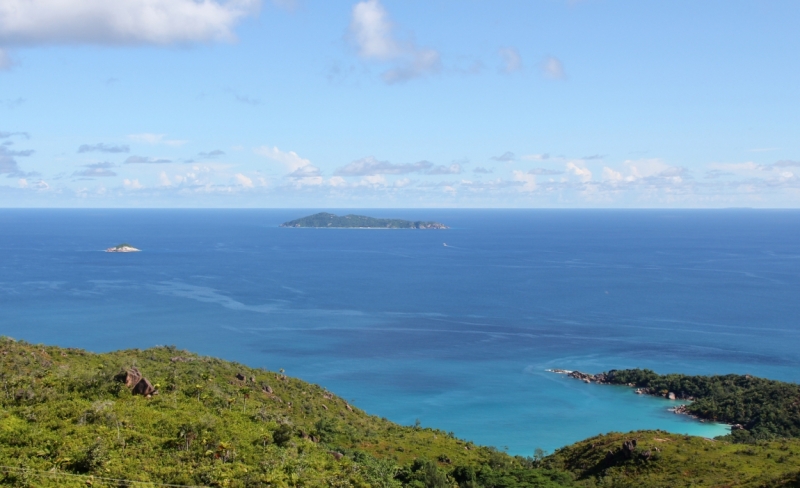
62 410
680 461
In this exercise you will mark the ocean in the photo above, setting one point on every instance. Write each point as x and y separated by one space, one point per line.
458 337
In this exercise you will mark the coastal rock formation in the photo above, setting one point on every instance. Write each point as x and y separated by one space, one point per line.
144 388
138 384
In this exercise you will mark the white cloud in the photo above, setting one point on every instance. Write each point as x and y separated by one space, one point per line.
583 173
373 180
164 180
132 184
553 68
120 22
290 159
611 175
244 180
512 61
149 138
372 33
528 180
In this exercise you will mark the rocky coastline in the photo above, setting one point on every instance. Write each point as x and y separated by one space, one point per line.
609 379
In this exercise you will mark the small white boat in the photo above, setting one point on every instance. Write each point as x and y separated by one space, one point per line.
444 244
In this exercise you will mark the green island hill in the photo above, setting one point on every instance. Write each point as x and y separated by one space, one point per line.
331 221
164 416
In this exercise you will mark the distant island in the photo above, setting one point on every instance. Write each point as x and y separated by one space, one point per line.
124 247
331 221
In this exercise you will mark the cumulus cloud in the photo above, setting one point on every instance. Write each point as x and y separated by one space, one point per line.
371 166
481 170
244 180
106 148
307 171
583 173
149 138
132 184
553 68
453 169
146 160
120 22
505 157
290 159
528 180
36 185
650 172
512 61
301 171
371 31
96 170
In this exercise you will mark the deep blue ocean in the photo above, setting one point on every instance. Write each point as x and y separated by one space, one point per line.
457 336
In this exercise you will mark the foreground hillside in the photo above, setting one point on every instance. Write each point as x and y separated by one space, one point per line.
162 416
214 423
661 460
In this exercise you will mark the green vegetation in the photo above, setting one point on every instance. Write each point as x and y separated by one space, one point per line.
662 460
329 220
766 409
71 418
66 412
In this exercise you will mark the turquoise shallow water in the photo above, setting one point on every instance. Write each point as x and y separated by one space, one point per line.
458 337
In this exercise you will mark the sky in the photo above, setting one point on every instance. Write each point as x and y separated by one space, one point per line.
399 103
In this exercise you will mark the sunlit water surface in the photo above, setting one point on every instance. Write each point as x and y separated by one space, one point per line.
457 336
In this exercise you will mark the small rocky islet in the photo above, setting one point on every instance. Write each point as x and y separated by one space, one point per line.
124 247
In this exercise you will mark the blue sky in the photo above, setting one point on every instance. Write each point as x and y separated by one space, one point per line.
399 103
